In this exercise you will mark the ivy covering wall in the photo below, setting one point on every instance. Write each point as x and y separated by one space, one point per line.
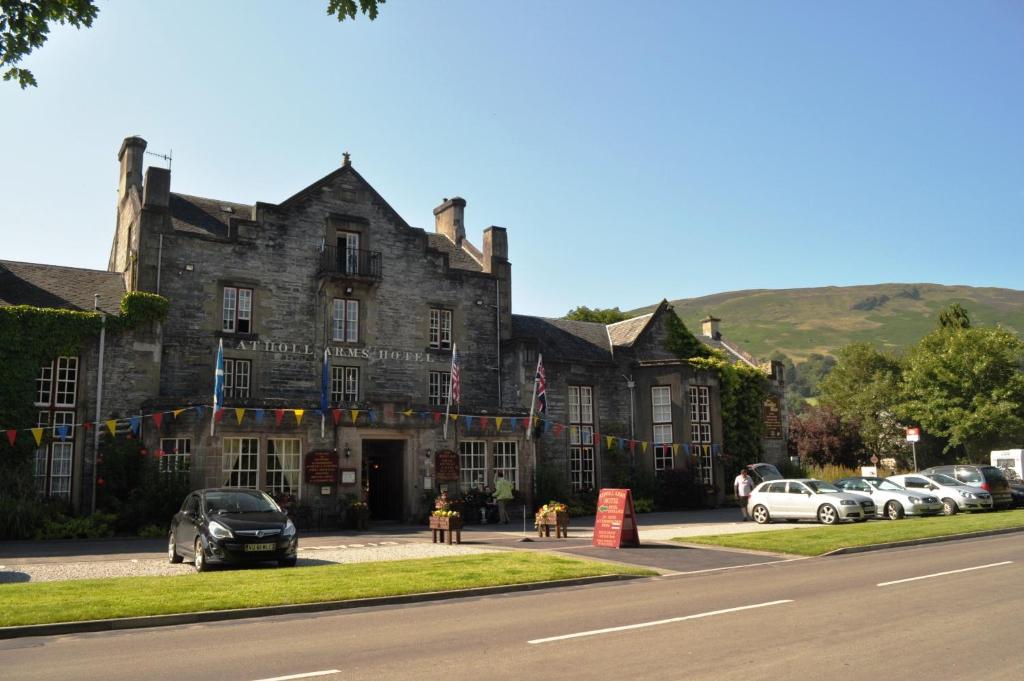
742 394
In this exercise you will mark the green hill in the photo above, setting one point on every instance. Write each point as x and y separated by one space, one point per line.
802 321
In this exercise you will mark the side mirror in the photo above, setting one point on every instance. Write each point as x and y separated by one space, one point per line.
807 493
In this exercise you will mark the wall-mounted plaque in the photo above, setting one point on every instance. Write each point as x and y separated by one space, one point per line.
322 468
446 465
348 476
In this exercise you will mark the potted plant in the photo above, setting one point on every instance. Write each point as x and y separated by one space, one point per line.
444 516
552 514
359 515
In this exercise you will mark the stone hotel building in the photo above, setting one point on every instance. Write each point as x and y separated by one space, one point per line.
331 296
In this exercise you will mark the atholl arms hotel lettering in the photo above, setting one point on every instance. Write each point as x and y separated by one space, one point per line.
371 354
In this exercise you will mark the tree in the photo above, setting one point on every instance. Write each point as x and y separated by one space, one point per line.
967 385
954 317
863 388
819 435
25 26
608 315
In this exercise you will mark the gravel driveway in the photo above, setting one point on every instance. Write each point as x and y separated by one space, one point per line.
350 553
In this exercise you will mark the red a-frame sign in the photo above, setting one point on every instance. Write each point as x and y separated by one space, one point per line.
615 524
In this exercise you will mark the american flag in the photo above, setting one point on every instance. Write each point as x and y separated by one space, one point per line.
542 396
455 394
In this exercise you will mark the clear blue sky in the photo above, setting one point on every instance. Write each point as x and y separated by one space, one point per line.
634 151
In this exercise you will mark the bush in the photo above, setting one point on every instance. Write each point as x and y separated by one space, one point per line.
643 505
21 517
132 486
87 527
678 488
153 531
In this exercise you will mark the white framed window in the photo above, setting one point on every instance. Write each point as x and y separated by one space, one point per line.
345 320
344 384
44 386
241 462
581 436
661 418
67 382
472 464
348 244
236 377
175 455
506 460
283 465
440 329
700 430
440 382
237 310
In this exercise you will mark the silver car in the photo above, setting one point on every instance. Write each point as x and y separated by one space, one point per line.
891 500
955 495
809 499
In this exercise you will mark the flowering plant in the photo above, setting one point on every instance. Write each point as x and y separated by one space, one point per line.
359 506
446 513
442 503
550 507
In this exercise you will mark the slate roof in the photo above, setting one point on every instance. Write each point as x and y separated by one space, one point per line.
458 258
68 288
564 340
210 217
626 332
730 349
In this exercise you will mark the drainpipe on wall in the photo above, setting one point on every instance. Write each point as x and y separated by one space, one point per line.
99 397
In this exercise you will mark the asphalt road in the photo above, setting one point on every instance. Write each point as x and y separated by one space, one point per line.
822 618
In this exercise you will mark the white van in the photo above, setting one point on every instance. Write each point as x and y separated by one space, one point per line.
1009 459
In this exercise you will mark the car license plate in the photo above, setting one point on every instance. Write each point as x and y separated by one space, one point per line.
260 547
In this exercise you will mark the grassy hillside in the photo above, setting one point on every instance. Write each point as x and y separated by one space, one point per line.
801 321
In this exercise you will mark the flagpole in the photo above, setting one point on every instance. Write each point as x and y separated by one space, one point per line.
533 402
448 406
218 384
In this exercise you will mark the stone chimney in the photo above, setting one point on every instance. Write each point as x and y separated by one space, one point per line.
131 160
448 219
157 192
709 327
495 248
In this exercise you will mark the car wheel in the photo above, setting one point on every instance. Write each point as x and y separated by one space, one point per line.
761 515
200 562
287 562
893 510
172 550
949 507
827 515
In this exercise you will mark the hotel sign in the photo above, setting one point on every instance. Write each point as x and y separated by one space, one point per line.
370 354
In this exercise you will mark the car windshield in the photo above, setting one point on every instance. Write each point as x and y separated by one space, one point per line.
946 480
239 502
822 487
885 485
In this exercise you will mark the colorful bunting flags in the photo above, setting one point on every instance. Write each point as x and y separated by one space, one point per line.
239 414
37 433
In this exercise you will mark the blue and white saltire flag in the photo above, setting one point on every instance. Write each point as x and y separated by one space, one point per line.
218 384
325 389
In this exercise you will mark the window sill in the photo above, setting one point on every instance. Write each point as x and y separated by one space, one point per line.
236 335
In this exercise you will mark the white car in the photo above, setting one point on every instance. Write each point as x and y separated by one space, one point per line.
955 495
809 499
891 500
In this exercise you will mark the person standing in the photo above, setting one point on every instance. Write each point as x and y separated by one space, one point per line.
743 486
502 494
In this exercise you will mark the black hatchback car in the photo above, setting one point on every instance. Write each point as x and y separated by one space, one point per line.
989 478
224 526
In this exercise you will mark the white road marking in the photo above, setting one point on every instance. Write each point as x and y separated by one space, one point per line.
940 574
642 625
733 567
302 676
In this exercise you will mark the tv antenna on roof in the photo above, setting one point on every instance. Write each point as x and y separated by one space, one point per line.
168 157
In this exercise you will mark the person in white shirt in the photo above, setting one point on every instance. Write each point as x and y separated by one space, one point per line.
743 485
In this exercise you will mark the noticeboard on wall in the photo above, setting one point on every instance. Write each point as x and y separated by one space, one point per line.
322 468
446 466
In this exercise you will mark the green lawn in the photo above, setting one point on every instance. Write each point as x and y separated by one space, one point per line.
93 599
816 540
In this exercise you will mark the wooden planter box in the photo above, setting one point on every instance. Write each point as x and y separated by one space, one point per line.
558 520
443 527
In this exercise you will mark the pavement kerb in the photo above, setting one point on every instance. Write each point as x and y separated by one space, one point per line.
60 628
924 540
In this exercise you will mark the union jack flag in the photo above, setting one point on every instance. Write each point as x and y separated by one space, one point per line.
455 393
542 397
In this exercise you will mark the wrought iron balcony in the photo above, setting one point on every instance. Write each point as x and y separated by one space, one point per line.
350 263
